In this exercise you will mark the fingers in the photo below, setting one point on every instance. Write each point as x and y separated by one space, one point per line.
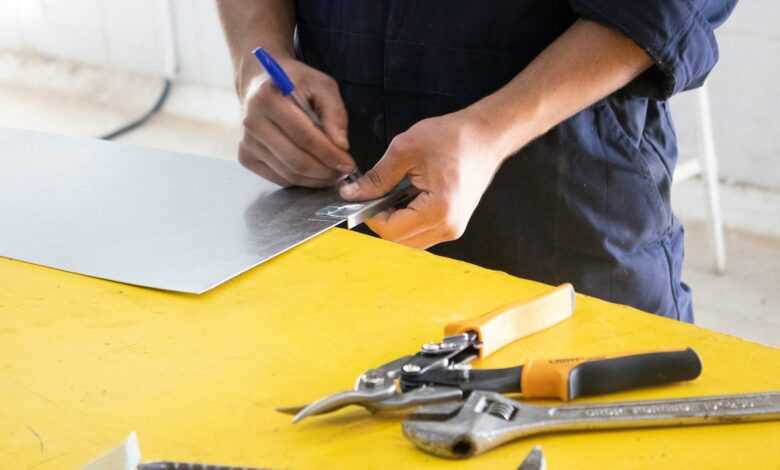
298 128
403 223
425 222
297 161
282 143
262 169
259 159
333 114
424 240
409 228
385 175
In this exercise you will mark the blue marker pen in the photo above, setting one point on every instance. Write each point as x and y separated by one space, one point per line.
286 86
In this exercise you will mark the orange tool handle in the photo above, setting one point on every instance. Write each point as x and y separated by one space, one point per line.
570 378
511 322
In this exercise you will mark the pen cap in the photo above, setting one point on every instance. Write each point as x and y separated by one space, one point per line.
281 80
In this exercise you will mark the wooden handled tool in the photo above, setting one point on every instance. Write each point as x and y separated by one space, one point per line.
511 322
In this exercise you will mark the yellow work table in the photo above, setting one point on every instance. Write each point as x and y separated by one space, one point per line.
83 362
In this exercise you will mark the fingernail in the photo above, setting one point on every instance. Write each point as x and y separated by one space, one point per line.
345 168
340 137
349 190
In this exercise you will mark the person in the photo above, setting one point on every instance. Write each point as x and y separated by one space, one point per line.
538 132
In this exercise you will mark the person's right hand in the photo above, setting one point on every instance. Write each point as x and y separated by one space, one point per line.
281 144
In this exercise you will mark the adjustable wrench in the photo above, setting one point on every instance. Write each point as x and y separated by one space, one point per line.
488 419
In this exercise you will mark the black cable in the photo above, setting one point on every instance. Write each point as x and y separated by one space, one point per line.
148 115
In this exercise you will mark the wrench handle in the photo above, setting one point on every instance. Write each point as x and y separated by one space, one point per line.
680 411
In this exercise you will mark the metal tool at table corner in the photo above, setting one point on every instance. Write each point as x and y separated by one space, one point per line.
127 456
440 372
487 420
166 465
534 460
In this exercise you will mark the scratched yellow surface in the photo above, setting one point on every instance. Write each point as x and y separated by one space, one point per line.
84 362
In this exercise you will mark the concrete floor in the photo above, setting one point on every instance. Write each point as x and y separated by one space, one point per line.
742 302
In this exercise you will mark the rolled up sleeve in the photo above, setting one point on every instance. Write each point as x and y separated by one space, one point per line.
677 34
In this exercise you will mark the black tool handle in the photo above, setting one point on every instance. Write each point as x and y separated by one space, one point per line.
574 377
616 374
494 380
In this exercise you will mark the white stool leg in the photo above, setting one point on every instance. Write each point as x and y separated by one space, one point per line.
709 166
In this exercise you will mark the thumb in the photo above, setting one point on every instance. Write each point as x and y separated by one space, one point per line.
377 181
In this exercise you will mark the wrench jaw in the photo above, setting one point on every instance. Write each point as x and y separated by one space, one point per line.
441 438
461 430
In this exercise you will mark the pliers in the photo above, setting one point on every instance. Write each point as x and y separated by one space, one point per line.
440 372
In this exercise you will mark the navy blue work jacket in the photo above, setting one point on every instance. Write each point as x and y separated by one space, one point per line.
587 202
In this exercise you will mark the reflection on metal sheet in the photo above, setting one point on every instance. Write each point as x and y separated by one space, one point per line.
147 217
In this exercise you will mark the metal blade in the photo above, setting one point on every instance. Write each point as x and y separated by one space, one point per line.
291 410
372 386
399 401
342 399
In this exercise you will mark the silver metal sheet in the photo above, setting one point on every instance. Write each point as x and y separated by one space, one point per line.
148 217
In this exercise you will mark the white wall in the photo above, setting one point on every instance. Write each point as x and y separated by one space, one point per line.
127 34
745 93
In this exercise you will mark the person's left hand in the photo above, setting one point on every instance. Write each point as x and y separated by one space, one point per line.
451 160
